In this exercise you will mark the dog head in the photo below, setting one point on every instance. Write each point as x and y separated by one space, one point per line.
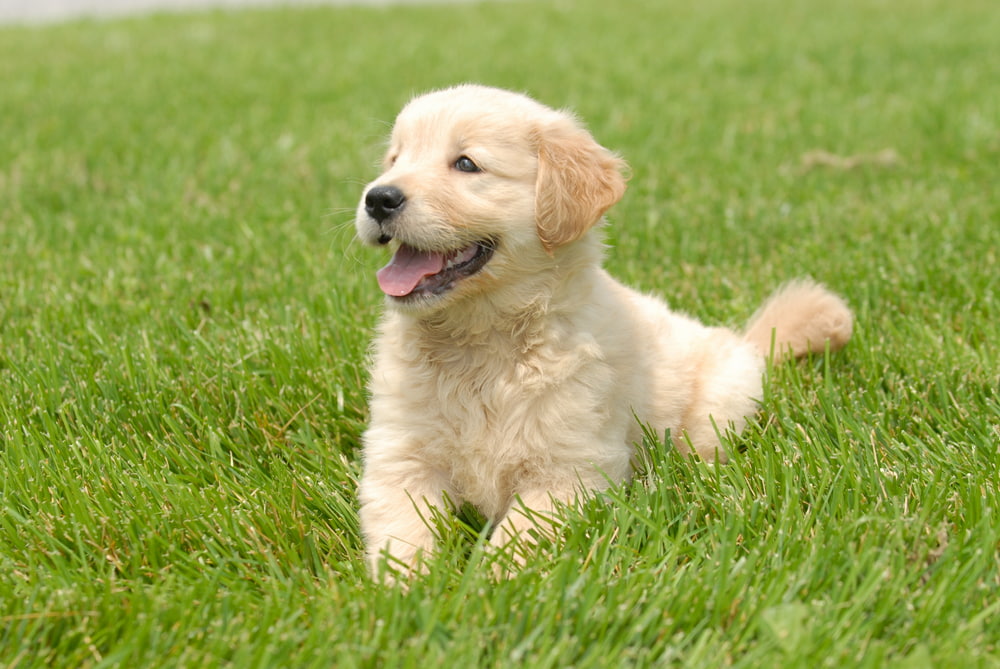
482 188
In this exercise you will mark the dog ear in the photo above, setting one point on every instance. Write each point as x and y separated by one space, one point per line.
578 180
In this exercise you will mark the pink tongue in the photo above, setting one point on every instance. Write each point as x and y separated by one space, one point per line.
406 269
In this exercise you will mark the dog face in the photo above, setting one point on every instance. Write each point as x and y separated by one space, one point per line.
482 188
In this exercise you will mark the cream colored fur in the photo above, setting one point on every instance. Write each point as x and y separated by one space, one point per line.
522 385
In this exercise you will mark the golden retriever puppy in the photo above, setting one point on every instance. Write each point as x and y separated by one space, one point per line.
510 370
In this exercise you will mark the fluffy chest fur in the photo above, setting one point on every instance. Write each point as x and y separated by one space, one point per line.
491 413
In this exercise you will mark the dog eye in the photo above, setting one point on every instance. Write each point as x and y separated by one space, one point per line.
465 164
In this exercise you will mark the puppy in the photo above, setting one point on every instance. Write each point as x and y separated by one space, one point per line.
510 370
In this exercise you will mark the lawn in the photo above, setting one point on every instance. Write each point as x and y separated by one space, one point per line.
185 315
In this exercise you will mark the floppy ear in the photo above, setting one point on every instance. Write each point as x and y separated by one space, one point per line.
578 180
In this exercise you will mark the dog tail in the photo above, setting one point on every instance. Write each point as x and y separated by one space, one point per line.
801 317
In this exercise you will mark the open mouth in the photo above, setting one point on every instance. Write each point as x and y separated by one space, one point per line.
413 272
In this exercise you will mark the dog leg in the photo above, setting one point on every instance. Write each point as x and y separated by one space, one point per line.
532 511
396 516
531 517
725 392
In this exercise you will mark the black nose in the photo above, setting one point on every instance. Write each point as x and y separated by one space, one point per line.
381 202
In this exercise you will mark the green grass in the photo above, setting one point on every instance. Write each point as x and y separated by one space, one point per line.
184 318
